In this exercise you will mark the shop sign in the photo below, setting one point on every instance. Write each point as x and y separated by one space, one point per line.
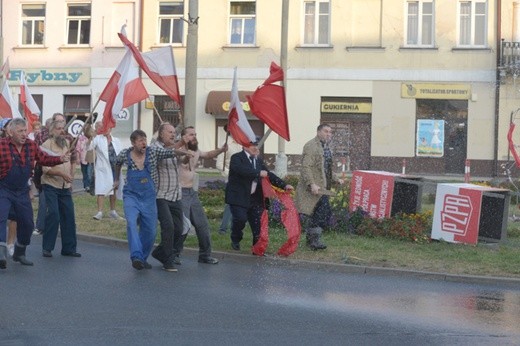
52 76
436 91
346 107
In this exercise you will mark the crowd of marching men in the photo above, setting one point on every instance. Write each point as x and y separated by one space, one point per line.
160 185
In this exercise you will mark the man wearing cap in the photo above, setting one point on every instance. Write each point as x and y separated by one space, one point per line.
244 192
17 157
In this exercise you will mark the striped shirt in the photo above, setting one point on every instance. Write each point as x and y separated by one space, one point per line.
168 187
155 154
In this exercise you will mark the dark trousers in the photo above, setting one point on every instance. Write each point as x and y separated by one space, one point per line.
320 217
60 215
242 215
170 218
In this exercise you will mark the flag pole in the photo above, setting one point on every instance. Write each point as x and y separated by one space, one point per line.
225 152
156 111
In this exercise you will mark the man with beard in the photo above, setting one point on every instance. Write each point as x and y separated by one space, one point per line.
57 185
139 194
190 198
17 158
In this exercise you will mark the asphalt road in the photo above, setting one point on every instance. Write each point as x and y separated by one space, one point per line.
100 299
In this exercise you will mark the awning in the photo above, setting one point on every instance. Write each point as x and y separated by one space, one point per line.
217 103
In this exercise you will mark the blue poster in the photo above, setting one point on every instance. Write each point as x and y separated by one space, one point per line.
430 138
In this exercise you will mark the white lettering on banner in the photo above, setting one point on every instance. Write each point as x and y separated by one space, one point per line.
358 181
456 214
43 75
373 210
366 197
383 198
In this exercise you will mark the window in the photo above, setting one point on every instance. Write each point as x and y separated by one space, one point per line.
33 24
473 23
316 22
76 105
242 22
171 23
420 23
78 23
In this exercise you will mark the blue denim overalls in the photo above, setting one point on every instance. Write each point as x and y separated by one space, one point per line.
140 208
14 192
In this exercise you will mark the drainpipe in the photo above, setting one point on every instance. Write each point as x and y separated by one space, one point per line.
497 83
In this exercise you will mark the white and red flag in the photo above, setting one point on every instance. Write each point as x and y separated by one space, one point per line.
237 122
30 108
123 90
268 103
8 108
159 65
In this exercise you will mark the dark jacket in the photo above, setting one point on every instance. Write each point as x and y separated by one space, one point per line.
241 176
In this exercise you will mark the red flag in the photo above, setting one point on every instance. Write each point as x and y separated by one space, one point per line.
30 108
268 103
8 108
290 220
237 122
123 90
159 65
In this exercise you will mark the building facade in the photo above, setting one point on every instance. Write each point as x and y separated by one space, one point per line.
428 82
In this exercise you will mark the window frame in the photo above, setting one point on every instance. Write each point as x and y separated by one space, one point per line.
242 19
316 24
33 20
420 24
472 26
173 19
81 19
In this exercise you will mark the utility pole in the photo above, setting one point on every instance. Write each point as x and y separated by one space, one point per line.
281 158
190 92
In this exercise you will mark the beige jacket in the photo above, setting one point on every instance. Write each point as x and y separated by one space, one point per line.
55 180
312 172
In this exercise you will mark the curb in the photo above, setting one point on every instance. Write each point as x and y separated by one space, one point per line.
328 266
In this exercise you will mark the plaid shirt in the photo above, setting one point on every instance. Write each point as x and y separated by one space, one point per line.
155 154
168 186
35 154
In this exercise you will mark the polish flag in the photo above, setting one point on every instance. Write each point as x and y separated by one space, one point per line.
159 65
5 69
8 108
30 108
237 122
268 103
124 89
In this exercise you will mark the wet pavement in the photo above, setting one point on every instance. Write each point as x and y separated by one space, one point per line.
245 300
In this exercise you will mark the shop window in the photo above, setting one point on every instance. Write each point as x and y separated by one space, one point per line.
76 105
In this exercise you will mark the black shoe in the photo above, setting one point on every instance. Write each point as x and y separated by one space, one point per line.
46 253
169 267
235 246
71 254
208 260
147 265
176 260
157 253
3 257
137 264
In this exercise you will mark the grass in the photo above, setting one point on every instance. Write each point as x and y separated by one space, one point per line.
483 259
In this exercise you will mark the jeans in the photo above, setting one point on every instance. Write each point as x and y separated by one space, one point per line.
42 212
193 210
86 172
60 214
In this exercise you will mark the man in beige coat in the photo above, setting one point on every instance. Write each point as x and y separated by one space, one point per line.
312 199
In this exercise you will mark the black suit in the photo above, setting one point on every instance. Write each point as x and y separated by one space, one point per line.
244 205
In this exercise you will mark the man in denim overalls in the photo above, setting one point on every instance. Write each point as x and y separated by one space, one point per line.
17 157
139 195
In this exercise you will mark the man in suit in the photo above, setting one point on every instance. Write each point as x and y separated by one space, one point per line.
244 192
